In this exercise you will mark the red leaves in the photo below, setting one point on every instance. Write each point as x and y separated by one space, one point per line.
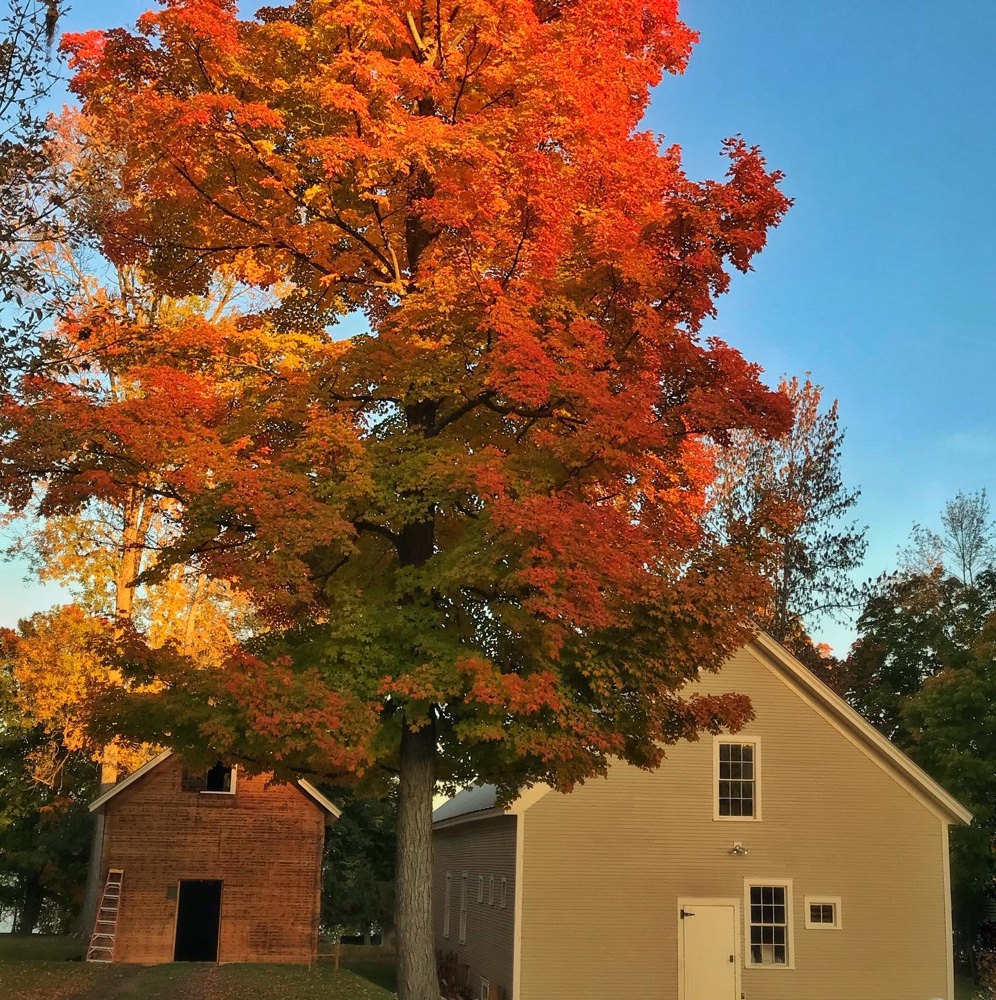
491 507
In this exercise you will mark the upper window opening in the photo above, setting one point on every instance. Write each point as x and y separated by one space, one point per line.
220 778
736 780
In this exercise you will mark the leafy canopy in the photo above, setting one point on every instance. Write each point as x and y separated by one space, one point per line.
487 509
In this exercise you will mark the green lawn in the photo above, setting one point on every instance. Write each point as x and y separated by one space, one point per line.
40 968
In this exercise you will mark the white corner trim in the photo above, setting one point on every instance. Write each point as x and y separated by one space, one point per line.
518 891
948 929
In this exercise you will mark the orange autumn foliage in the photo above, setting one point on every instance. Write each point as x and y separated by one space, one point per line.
477 527
500 487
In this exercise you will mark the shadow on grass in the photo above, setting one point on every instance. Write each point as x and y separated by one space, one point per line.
40 948
375 963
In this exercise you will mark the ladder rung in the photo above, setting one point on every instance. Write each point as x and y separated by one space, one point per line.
111 895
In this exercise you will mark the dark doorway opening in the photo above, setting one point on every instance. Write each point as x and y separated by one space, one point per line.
198 918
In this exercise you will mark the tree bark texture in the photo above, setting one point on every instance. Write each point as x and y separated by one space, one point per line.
91 892
33 897
417 979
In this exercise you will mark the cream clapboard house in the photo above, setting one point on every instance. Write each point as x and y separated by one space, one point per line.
804 858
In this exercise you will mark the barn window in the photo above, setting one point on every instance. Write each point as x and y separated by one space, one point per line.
463 908
504 893
736 779
823 913
491 890
480 888
485 989
220 778
770 908
446 905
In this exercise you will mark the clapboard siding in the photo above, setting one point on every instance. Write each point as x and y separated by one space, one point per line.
604 866
264 843
482 848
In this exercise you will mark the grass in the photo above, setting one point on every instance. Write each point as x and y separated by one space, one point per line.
39 967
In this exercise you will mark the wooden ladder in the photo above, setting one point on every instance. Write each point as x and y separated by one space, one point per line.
105 927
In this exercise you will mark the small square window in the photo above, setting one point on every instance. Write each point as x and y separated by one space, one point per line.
823 913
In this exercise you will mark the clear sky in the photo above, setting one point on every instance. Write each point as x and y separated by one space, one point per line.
880 281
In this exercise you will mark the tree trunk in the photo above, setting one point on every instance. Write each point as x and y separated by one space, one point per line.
91 892
31 904
417 979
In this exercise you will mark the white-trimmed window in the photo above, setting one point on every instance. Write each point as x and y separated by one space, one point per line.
736 778
823 913
446 905
480 888
491 890
504 893
217 780
485 989
463 908
769 923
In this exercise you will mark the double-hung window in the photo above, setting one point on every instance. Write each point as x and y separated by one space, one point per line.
446 905
736 779
769 908
463 908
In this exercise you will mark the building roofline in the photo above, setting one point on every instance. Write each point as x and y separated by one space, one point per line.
305 786
838 713
101 800
848 721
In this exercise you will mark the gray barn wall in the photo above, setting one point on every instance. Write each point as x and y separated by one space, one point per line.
484 847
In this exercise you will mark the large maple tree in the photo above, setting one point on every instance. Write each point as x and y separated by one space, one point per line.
476 527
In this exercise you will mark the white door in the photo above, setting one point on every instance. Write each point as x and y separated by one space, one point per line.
708 937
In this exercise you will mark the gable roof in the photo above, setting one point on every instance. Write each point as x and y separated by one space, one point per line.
858 729
477 798
306 786
479 801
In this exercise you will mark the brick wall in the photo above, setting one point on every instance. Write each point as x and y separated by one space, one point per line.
263 843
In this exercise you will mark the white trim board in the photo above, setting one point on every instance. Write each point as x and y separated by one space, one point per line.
306 786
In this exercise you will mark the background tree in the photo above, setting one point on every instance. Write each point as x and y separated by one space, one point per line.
44 824
358 871
815 552
911 628
922 670
964 544
476 533
952 724
27 205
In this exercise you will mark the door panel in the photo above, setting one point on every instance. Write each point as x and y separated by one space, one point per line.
707 938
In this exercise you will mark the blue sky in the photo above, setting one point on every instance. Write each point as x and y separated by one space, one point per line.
880 281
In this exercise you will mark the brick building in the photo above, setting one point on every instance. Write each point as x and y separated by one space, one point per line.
217 865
